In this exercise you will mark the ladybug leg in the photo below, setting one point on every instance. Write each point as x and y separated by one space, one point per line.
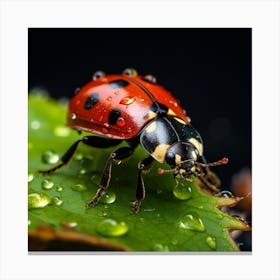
143 167
93 141
119 154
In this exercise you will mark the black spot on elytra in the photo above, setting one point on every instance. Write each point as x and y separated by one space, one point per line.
91 101
113 116
118 84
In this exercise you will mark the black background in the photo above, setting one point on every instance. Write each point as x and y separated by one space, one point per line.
207 69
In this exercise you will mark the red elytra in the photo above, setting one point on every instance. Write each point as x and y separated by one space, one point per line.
119 106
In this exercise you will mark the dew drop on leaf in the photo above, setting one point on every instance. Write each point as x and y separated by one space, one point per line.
56 200
68 224
79 188
107 197
30 177
191 221
182 192
211 242
47 184
59 188
110 227
50 157
38 200
161 248
82 171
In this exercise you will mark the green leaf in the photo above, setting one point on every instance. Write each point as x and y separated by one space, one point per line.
170 219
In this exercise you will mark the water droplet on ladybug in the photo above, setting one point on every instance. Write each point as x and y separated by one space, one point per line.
109 98
130 72
116 92
77 90
98 75
73 116
120 122
151 79
189 119
105 128
127 100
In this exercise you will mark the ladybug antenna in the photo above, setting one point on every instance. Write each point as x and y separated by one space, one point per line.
161 170
219 162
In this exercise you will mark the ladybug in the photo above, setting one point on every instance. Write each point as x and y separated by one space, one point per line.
133 108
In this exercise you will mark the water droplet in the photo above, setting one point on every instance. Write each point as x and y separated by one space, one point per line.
120 122
109 98
38 200
182 192
30 145
79 188
56 200
110 227
79 156
59 188
73 116
127 100
50 157
35 124
174 242
62 131
107 197
116 92
29 222
98 75
192 222
82 171
47 184
150 78
68 224
161 248
105 128
30 177
225 194
211 242
130 72
77 91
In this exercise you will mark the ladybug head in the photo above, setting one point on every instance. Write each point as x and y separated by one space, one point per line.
183 156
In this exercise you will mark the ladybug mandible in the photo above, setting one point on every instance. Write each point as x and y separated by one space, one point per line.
135 109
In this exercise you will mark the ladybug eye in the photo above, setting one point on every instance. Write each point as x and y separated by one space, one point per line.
150 78
130 72
98 75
